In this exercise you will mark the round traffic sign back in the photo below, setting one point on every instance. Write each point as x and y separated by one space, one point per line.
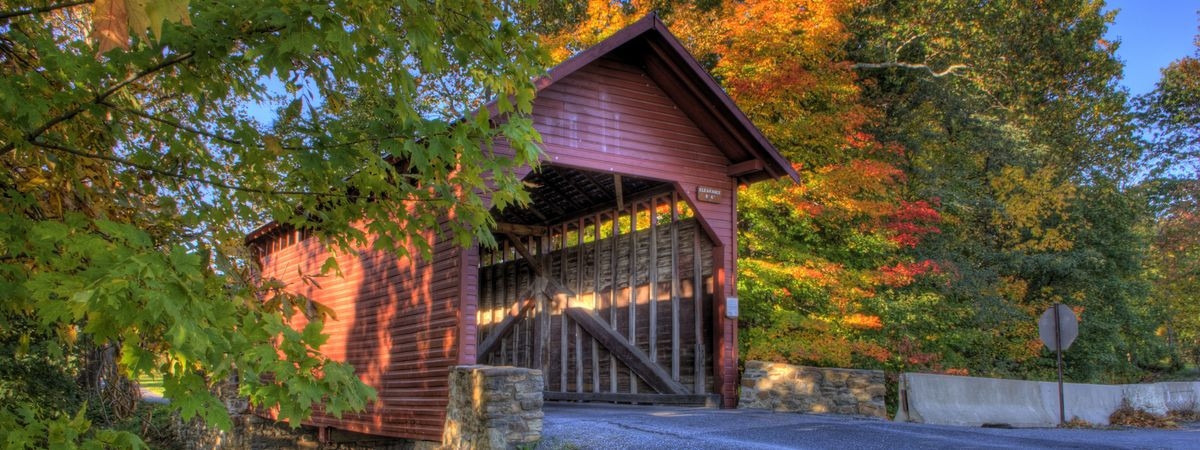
1068 327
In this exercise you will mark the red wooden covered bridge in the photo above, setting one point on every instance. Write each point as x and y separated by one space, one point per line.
636 134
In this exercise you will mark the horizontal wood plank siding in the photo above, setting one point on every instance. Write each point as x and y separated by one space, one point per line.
398 323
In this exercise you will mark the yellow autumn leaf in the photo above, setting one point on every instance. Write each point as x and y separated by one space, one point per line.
139 21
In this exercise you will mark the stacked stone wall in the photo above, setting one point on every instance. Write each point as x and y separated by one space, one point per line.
493 408
785 387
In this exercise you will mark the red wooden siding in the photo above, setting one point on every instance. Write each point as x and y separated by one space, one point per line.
610 116
397 324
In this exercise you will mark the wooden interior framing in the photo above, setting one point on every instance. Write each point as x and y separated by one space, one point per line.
557 297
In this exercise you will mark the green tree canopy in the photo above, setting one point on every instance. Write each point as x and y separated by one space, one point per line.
133 166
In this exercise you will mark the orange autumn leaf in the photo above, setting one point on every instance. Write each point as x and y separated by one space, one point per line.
110 25
863 321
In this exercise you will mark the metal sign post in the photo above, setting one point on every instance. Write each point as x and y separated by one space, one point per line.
1058 328
1062 409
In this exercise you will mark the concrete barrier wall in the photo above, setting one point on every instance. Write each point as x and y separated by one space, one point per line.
973 401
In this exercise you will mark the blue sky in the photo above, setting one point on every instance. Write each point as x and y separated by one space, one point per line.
1152 33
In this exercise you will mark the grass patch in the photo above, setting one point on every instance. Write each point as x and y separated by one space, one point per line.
153 385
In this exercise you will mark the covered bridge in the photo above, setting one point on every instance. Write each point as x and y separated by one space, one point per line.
636 134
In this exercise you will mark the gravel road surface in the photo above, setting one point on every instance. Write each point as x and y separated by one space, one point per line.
605 426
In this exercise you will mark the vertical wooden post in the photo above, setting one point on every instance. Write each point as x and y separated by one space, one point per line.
698 308
674 288
534 245
562 315
633 289
578 292
485 291
612 303
652 339
535 356
531 323
543 303
719 326
515 346
491 298
596 298
504 301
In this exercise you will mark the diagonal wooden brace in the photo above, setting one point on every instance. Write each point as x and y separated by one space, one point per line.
512 316
538 270
633 357
542 285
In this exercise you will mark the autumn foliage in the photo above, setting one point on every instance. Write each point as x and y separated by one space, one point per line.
818 260
963 167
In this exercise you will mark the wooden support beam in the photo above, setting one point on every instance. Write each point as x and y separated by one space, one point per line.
579 234
620 195
485 305
542 345
633 383
552 283
578 358
674 287
592 181
519 230
638 362
744 168
652 338
499 302
511 318
719 345
532 326
630 198
539 328
562 318
612 296
504 300
552 287
595 298
698 309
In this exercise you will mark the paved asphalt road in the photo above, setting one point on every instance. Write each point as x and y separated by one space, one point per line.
602 426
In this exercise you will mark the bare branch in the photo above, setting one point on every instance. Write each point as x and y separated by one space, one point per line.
949 70
910 39
5 15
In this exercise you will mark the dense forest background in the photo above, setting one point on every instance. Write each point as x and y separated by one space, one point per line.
965 166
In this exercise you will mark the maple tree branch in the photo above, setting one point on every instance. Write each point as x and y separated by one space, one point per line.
174 123
41 9
229 140
949 70
166 173
30 136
